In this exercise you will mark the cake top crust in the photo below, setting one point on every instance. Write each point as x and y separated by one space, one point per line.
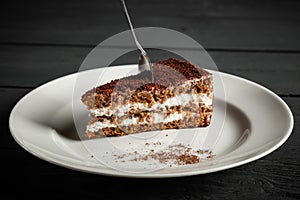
187 69
166 73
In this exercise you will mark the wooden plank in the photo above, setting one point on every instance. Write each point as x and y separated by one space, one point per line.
271 25
9 97
30 66
275 176
255 9
276 71
268 9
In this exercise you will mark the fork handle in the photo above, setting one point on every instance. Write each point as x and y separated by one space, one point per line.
132 30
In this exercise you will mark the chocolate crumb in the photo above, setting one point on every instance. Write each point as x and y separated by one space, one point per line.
176 154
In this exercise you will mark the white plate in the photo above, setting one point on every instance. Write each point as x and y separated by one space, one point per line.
256 123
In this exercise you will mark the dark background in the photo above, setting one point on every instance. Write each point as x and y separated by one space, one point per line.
44 40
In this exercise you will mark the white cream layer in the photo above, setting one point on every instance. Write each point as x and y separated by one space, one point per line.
182 99
157 118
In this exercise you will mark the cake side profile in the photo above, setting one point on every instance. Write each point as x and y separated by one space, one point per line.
181 96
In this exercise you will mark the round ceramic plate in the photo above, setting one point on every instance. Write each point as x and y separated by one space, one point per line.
256 122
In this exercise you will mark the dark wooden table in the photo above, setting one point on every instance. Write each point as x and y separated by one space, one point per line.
44 40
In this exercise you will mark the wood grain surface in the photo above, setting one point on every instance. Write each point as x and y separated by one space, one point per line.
44 40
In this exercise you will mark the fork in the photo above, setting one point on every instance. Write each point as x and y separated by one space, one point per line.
144 60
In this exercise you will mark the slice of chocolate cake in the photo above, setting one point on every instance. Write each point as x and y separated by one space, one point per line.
181 96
